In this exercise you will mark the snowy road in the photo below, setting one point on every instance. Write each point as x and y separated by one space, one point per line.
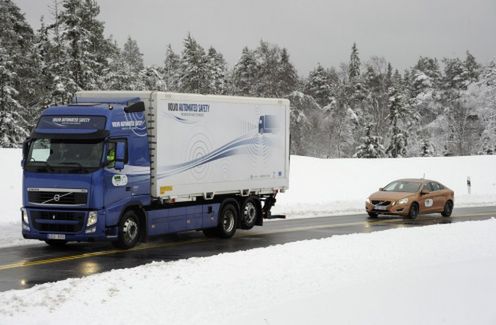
26 266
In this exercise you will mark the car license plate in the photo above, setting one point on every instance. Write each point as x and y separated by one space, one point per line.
56 236
380 207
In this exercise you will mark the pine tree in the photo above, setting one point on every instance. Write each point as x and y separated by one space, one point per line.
472 68
371 146
268 59
354 67
286 75
87 46
172 66
318 85
193 67
17 40
216 70
245 74
398 131
132 56
12 124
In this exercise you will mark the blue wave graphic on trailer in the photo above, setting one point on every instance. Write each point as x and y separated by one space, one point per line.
235 147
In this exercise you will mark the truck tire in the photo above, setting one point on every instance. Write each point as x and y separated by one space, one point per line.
250 212
128 230
228 221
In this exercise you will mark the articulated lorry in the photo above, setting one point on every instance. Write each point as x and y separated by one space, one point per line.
127 166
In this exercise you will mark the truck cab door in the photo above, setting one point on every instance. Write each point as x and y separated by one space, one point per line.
115 179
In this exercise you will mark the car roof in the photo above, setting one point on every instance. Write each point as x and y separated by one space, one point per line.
416 180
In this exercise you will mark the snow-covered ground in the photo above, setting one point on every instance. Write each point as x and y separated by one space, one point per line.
317 186
441 274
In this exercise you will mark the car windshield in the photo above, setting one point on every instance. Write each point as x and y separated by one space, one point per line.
402 186
57 153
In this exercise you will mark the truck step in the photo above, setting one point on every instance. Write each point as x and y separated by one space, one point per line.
276 216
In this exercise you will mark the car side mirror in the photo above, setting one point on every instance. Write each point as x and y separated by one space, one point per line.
120 155
424 192
381 189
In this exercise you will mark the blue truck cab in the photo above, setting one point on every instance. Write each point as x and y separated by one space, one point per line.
84 164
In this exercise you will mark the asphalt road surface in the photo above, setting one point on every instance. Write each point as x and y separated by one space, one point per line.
25 266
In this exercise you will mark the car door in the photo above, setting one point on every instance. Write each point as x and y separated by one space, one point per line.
427 200
442 195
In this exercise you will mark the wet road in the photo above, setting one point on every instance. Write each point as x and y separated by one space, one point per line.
26 266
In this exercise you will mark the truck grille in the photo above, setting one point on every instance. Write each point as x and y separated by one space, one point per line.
58 197
56 221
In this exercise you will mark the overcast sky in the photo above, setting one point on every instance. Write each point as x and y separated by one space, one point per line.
313 30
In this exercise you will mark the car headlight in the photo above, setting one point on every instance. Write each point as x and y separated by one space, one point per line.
92 218
24 214
403 201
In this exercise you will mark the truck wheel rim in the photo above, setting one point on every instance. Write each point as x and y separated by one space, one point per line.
130 230
228 221
250 212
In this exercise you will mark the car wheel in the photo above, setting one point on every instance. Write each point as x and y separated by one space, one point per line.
448 209
414 211
372 215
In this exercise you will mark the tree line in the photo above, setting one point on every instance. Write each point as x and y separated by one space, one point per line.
359 109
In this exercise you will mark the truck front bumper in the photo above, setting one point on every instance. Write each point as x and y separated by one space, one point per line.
68 225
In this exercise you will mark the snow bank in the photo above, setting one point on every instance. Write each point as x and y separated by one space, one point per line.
428 275
336 186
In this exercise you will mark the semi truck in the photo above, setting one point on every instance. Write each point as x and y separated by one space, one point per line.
126 166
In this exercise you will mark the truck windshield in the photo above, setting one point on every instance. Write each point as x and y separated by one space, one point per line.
52 154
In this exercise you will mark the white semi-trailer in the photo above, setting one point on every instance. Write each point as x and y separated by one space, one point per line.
165 162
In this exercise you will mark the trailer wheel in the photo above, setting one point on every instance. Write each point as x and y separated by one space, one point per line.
250 212
128 230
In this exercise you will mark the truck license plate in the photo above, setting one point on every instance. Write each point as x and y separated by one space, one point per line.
56 236
380 207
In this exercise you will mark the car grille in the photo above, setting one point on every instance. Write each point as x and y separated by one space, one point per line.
377 202
58 197
56 221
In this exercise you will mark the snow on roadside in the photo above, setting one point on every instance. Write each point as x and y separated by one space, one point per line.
428 275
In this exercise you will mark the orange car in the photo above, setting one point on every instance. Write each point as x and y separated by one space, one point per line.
410 198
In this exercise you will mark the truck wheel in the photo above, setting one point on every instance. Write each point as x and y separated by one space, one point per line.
56 243
129 230
448 209
250 212
228 218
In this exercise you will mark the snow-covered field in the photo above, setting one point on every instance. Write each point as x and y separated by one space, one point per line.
441 274
317 186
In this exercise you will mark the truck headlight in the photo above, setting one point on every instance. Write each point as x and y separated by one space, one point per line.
24 214
403 201
92 218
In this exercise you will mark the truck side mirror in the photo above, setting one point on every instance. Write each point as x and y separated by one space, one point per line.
120 155
25 150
